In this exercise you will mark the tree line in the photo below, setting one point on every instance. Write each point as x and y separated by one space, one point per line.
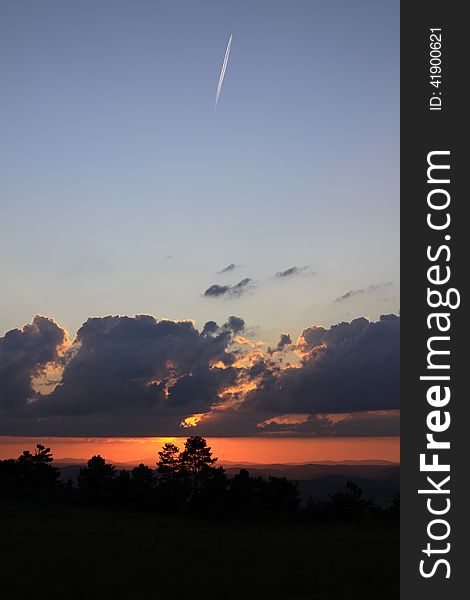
183 482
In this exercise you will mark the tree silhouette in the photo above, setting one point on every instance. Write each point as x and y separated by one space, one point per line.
143 486
245 495
168 465
186 482
30 477
280 495
36 475
143 477
393 511
242 486
350 504
120 491
210 499
95 481
172 485
196 460
9 484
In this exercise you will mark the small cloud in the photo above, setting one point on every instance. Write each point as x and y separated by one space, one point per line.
228 269
229 291
292 271
361 291
350 294
216 290
234 324
284 341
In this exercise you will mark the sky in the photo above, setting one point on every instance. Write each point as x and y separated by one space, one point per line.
124 192
227 450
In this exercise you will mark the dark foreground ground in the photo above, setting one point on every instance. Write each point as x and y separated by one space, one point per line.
72 553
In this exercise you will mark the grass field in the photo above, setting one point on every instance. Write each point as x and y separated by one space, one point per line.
70 553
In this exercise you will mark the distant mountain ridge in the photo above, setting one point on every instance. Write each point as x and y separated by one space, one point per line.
235 464
377 478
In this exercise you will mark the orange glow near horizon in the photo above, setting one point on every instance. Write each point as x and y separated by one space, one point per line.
241 450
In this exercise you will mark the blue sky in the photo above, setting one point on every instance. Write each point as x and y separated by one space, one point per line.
124 192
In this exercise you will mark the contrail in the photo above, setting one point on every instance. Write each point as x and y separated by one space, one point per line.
222 71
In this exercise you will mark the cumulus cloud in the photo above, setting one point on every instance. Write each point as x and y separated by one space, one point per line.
234 324
349 367
24 353
143 376
123 363
229 291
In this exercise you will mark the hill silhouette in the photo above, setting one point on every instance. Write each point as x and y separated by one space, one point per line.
195 528
380 479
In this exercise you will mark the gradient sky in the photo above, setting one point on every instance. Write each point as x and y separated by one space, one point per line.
124 192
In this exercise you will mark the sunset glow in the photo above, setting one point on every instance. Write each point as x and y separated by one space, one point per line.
239 450
219 290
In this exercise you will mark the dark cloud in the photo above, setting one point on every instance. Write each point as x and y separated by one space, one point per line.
133 363
290 272
347 384
23 355
196 392
234 324
229 291
315 336
242 421
139 376
283 342
350 294
216 290
123 367
210 328
361 291
349 367
363 424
